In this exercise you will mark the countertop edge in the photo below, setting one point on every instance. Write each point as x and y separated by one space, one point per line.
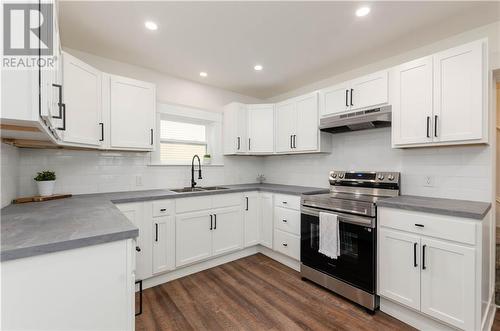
433 210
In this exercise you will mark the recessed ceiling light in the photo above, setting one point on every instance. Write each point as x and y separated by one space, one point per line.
258 67
151 25
362 11
203 74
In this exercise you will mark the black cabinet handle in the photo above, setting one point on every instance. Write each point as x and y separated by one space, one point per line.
419 225
435 125
63 115
151 136
137 248
249 144
294 141
423 257
215 221
352 90
285 244
284 202
247 203
59 104
291 141
415 255
102 131
284 221
239 143
156 231
211 222
347 98
428 124
163 209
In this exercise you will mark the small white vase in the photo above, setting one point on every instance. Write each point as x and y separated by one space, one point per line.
46 187
207 160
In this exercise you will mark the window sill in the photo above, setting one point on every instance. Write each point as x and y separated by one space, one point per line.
156 164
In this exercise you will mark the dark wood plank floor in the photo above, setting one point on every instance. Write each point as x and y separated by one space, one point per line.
253 293
496 322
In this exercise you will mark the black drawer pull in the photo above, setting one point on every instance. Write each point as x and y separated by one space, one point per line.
284 202
163 209
419 225
285 244
137 248
284 221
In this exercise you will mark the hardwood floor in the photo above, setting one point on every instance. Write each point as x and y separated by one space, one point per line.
253 293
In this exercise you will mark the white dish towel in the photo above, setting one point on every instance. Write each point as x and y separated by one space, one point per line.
329 238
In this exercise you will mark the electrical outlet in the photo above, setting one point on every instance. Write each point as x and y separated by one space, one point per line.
138 180
429 181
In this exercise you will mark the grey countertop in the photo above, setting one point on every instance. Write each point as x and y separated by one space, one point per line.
451 207
83 220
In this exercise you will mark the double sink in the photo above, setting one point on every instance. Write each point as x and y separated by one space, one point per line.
198 189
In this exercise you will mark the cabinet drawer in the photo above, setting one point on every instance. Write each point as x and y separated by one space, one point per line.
439 226
163 207
184 205
287 244
287 220
226 200
287 201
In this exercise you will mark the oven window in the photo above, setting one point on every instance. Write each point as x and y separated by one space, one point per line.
349 244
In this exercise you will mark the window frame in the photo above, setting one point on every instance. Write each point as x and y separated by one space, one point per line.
183 142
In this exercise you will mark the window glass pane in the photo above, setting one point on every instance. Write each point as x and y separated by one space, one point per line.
182 131
180 152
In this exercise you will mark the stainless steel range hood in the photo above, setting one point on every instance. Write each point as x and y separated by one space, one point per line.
357 120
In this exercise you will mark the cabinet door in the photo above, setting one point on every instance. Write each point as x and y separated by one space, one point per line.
266 220
459 100
412 102
135 212
193 237
369 91
227 230
163 240
286 121
251 218
261 128
448 291
241 129
399 267
82 99
334 100
307 131
132 110
235 129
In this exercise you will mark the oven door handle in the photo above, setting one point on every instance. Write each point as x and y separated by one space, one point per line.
344 218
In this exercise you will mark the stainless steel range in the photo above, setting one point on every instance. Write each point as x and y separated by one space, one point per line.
352 197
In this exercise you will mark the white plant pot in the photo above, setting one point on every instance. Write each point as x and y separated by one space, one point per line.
46 188
207 160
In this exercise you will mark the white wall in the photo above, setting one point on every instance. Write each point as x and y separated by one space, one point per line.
169 89
458 172
9 173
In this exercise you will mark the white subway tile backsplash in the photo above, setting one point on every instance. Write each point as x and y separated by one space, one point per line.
10 162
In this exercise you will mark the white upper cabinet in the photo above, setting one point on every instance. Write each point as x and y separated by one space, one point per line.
82 112
235 129
412 97
335 99
261 128
441 99
360 93
369 91
132 107
286 122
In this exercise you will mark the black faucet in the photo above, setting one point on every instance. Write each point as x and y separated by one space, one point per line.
193 183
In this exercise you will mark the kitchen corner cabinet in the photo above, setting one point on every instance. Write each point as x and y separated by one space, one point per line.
260 128
235 129
132 109
82 112
251 217
430 263
441 99
360 93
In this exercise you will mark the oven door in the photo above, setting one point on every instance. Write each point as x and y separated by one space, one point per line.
356 263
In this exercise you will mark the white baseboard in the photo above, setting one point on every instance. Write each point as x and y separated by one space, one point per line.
194 268
411 317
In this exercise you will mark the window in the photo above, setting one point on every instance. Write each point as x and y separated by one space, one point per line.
179 141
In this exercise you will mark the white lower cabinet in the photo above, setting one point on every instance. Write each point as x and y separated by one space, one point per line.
437 276
251 218
266 219
163 244
287 225
287 243
227 230
193 237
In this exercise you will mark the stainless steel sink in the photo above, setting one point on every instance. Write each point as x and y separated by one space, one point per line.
187 189
214 188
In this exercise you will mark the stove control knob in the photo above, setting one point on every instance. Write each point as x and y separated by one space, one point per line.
390 177
380 177
334 175
341 175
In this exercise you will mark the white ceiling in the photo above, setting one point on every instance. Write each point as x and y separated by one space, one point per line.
296 42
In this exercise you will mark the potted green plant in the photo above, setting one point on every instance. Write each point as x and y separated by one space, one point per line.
45 181
207 159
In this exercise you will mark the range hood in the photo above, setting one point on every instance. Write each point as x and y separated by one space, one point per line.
357 120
